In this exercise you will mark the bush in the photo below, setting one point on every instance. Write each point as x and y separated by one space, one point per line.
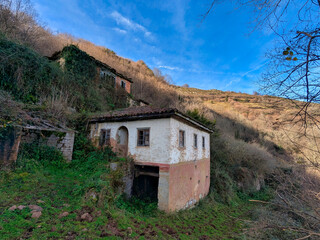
33 156
195 114
26 74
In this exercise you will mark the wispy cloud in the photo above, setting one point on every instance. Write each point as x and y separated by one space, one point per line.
129 24
120 30
171 68
235 80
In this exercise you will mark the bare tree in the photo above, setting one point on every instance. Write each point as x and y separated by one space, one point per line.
294 73
293 70
18 21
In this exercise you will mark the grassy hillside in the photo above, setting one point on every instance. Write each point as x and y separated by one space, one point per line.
81 200
257 152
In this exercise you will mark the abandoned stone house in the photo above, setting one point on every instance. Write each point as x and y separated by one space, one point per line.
171 152
104 71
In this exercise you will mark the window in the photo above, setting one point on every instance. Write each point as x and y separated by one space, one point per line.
104 137
203 142
108 137
107 77
123 84
195 140
143 137
181 138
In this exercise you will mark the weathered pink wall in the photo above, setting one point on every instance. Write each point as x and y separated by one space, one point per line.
128 84
188 183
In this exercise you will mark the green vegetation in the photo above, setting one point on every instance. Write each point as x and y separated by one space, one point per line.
87 185
26 74
201 118
32 78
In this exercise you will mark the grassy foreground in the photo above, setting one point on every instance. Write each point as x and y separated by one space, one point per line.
88 187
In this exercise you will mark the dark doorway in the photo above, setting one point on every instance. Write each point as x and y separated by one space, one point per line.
145 183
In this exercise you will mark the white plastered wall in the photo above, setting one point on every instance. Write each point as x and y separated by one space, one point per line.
189 152
157 152
164 140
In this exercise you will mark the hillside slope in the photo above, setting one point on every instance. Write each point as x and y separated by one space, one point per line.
255 148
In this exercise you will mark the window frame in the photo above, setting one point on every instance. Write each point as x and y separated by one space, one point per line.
107 140
195 140
144 130
103 140
123 84
203 142
183 132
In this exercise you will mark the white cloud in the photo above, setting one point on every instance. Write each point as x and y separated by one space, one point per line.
129 24
120 30
171 68
235 80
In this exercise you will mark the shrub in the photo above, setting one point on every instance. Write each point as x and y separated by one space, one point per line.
32 156
201 118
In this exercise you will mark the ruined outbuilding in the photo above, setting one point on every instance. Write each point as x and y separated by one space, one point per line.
171 152
12 138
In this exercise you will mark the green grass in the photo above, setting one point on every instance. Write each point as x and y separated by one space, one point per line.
64 187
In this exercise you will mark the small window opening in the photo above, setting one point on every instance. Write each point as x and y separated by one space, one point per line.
181 138
123 84
143 137
203 142
104 137
195 140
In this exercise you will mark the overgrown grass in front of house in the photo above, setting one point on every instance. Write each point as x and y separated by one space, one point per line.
87 185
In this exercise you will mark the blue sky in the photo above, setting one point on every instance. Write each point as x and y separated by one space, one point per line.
219 53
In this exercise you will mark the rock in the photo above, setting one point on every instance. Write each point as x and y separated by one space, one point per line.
36 214
35 208
40 201
14 207
64 214
91 195
84 230
66 205
53 229
86 217
20 207
113 166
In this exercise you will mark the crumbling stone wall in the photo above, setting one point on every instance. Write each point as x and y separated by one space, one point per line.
12 137
62 140
9 147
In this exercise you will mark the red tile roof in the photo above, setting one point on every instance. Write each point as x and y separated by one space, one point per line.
145 112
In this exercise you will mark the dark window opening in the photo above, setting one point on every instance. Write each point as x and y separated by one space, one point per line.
143 137
203 142
146 183
123 84
108 77
181 138
195 140
104 137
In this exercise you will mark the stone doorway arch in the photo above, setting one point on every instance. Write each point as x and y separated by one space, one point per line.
122 141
